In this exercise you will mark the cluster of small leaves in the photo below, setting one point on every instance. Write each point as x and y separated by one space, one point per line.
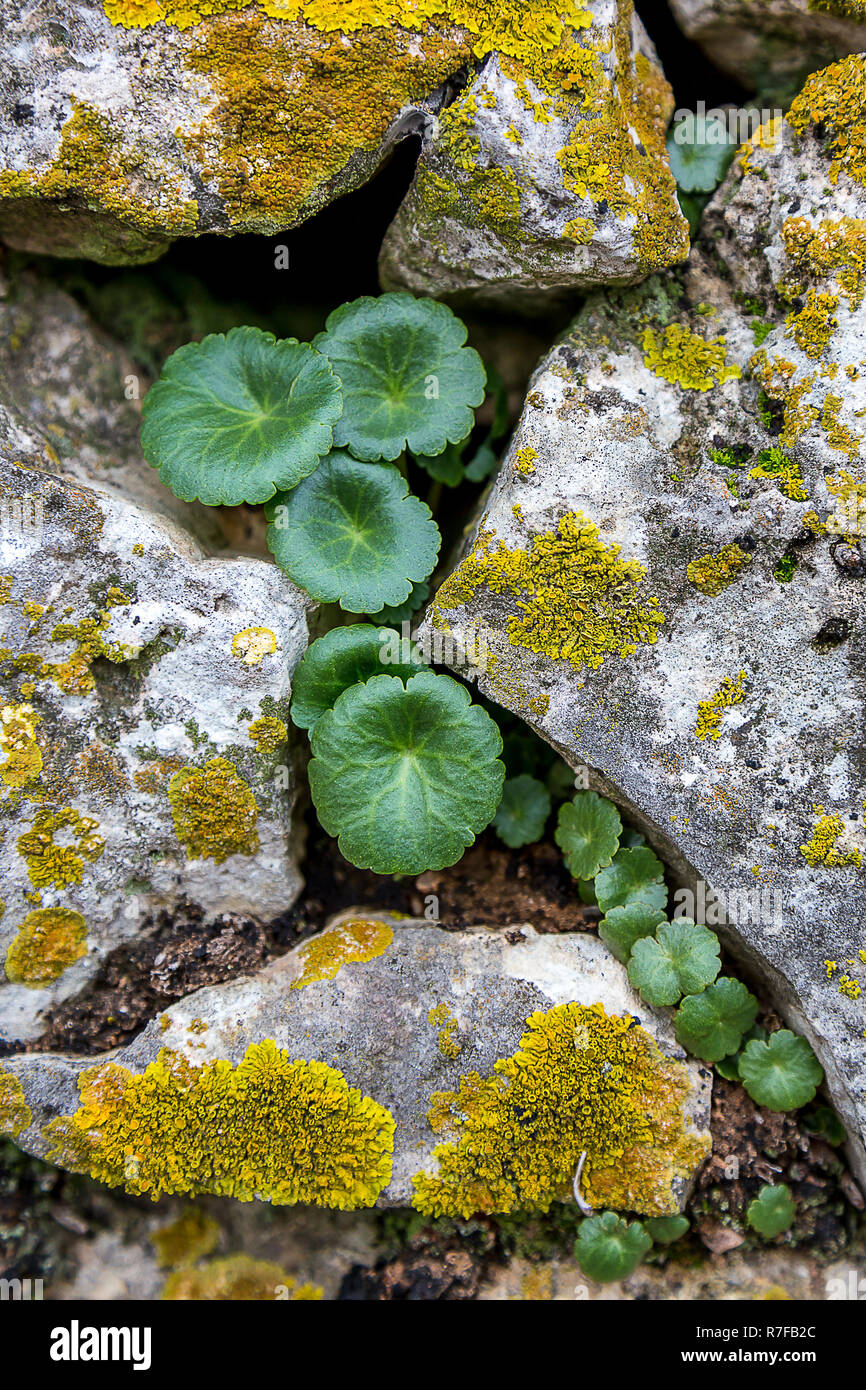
313 430
405 769
609 1248
772 1212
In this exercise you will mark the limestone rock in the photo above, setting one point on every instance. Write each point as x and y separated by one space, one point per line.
144 758
669 570
770 45
525 189
403 1010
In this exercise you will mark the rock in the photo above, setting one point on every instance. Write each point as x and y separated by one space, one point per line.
669 570
527 187
128 127
771 45
144 759
388 1015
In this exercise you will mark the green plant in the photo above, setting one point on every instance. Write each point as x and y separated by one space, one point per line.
633 876
623 926
772 1211
523 811
608 1248
587 832
664 1230
681 958
405 774
711 1024
343 657
700 151
782 1073
729 1067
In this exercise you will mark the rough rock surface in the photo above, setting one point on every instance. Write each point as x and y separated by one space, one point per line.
773 44
670 567
524 189
126 127
124 666
403 1010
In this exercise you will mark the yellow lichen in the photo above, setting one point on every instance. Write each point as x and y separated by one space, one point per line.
238 1278
838 435
190 1237
834 248
580 1082
214 811
835 99
268 733
577 600
525 461
53 864
579 229
350 942
764 138
23 759
254 643
814 325
693 362
49 940
848 517
446 1039
15 1114
286 1131
730 692
823 845
713 573
784 471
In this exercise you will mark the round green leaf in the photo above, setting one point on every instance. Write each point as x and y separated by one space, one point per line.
407 378
782 1073
700 152
522 812
623 926
710 1025
666 1229
635 875
587 832
608 1248
824 1121
681 959
341 658
405 775
772 1211
351 534
402 612
239 415
446 467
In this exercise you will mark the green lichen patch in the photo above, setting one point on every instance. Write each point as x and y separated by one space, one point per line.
577 601
581 1081
190 1237
214 811
49 940
713 573
15 1114
286 1131
687 359
238 1278
355 941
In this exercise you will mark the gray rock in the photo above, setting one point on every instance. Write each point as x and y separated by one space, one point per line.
669 576
770 45
404 1009
522 193
122 669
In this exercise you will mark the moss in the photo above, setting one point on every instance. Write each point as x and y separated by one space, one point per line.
774 463
214 811
190 1237
835 99
730 692
50 864
351 942
835 247
252 644
786 567
693 362
23 758
823 845
580 1081
15 1113
238 1278
268 734
286 1131
713 573
814 325
577 600
446 1039
49 940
